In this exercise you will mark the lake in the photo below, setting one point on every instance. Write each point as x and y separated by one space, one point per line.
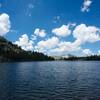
56 80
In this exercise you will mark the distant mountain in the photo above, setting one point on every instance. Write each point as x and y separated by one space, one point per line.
11 52
87 58
75 58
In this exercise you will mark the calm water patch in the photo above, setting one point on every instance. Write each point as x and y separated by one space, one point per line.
50 80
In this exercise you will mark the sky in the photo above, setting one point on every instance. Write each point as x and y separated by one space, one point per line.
53 27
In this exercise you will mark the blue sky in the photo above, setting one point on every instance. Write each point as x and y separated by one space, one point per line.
44 19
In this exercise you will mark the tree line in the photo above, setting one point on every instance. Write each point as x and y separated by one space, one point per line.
11 52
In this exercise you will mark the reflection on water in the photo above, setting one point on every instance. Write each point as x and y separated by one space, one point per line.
50 81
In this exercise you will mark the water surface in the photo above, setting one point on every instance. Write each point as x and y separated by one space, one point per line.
50 80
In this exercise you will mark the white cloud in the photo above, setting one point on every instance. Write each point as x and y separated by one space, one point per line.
69 46
56 46
62 31
48 44
4 24
63 48
87 52
86 5
99 52
33 37
25 43
72 24
41 33
53 46
82 34
85 33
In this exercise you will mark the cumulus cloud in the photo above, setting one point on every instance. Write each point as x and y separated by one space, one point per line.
86 5
48 44
87 52
25 43
62 31
81 33
84 33
55 46
4 24
69 46
63 48
40 32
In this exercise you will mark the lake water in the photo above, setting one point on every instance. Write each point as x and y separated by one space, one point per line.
50 80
